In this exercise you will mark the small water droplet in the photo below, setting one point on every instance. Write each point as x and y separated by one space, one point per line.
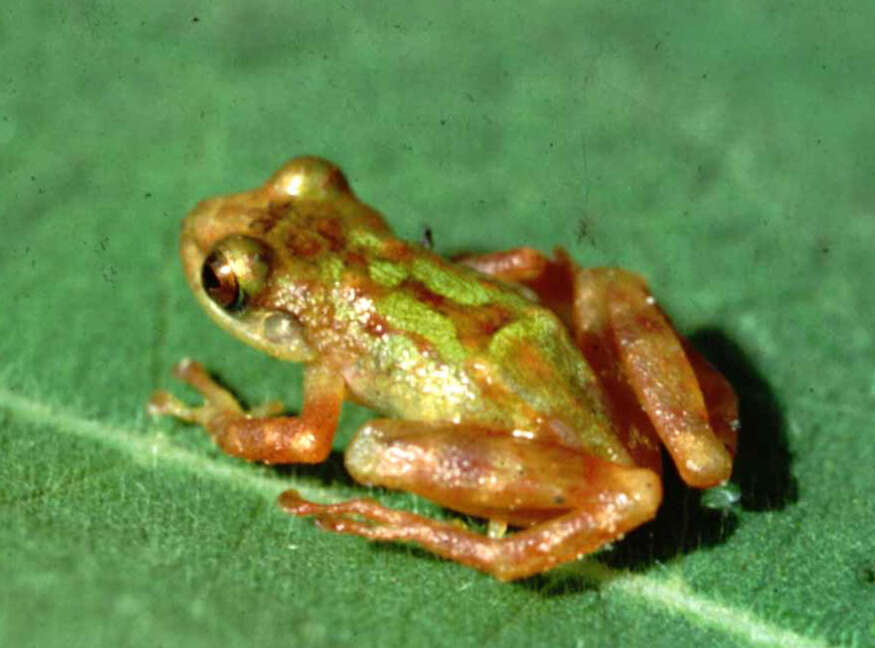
721 497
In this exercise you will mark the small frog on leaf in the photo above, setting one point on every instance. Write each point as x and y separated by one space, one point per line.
515 387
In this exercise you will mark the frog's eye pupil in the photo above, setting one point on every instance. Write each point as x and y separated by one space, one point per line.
220 282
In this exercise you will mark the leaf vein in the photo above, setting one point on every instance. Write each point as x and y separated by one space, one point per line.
669 595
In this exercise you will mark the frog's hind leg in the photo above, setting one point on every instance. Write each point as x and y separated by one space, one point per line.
658 384
693 409
572 502
515 265
259 434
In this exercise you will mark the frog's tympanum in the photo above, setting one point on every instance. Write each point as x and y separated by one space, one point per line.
515 387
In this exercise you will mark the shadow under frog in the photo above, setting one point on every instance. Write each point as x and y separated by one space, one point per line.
762 472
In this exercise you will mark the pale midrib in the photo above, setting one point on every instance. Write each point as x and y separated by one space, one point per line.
667 595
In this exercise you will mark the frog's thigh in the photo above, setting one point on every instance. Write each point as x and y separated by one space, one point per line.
614 307
576 502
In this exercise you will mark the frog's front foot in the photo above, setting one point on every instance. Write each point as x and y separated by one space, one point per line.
259 434
218 401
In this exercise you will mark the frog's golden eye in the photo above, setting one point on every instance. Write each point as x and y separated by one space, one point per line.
234 272
220 282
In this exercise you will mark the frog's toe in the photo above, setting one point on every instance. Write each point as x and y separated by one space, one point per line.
268 409
191 372
216 397
292 502
164 403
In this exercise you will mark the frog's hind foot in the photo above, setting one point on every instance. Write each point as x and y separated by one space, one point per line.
362 508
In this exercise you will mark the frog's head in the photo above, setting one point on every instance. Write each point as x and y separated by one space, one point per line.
241 261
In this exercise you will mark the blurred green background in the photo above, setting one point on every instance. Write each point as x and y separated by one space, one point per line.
724 150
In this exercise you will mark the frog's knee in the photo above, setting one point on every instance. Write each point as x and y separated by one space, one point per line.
364 454
644 489
307 177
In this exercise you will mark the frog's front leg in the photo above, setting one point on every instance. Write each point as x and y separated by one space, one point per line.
259 435
572 502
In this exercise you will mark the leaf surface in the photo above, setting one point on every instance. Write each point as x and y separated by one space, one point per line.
724 151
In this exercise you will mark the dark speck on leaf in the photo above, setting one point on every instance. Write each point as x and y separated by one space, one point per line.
583 232
721 498
427 239
109 274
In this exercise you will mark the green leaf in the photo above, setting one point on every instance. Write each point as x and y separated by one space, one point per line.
723 150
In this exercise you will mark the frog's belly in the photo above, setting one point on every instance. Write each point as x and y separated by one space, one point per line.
422 390
419 389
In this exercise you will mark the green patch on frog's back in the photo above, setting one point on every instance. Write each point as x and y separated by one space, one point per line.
453 308
406 313
387 273
450 284
536 359
391 261
330 268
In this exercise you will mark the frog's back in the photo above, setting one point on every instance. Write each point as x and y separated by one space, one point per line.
443 342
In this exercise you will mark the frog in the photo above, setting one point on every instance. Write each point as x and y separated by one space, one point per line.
514 386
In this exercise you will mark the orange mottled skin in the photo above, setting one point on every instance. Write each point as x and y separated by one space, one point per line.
518 388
